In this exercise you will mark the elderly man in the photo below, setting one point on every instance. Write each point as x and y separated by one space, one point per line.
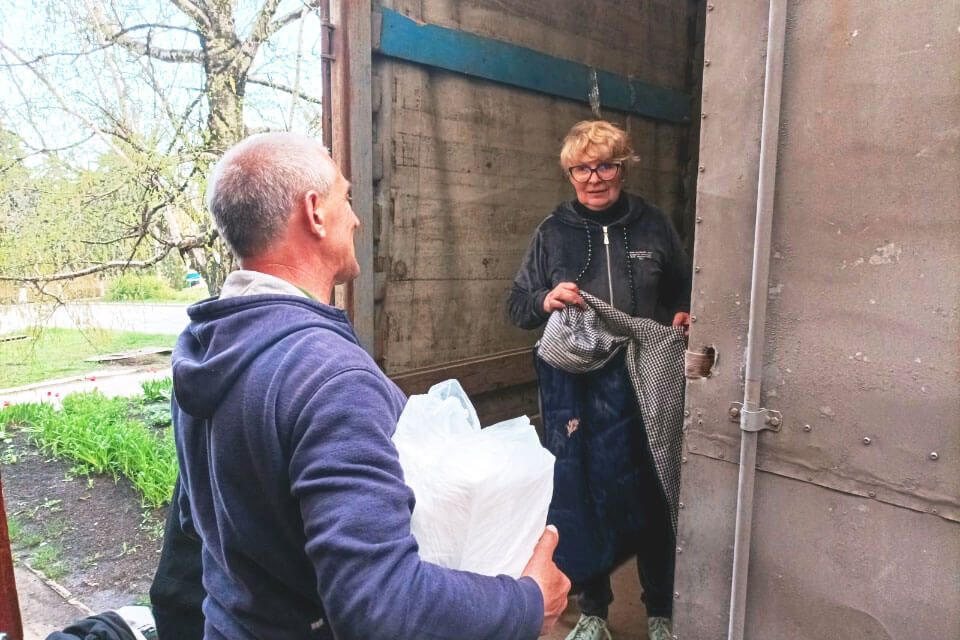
283 426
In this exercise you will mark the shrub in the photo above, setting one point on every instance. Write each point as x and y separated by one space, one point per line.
138 286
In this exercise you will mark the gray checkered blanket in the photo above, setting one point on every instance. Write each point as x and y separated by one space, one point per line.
580 340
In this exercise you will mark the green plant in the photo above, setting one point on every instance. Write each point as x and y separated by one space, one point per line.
14 529
48 558
98 435
157 390
138 286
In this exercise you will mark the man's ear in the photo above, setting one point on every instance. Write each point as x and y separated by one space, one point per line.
313 210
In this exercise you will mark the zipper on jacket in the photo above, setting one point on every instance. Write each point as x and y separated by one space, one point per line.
606 246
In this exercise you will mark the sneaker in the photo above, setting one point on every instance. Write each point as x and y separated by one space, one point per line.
659 628
590 628
140 621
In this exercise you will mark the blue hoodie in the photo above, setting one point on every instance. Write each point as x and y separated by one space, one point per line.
283 428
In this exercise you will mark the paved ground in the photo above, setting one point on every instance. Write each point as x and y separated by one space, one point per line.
123 316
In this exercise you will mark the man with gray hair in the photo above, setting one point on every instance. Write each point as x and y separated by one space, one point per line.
283 427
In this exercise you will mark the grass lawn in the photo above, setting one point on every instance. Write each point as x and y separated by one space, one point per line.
59 353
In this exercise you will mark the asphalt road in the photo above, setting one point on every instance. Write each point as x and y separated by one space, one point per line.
124 316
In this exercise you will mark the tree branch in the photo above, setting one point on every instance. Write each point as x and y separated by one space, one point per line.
145 48
63 105
112 264
266 82
196 13
264 29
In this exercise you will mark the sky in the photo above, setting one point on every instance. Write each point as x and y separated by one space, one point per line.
83 85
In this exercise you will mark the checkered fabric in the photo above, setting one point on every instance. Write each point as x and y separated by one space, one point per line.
580 340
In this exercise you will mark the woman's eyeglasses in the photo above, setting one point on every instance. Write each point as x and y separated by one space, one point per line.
605 171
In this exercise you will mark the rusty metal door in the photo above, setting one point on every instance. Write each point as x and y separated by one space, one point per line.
856 526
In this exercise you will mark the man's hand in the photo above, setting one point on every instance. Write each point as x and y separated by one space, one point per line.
563 294
554 585
682 319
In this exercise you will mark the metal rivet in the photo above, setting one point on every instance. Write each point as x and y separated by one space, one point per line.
680 505
807 428
693 318
773 421
709 7
697 269
679 549
734 412
686 412
934 455
676 594
934 511
699 219
703 116
867 441
706 63
872 494
701 168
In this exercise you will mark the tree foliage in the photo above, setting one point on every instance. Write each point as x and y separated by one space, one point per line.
121 106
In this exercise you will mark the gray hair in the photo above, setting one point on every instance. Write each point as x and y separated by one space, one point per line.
254 187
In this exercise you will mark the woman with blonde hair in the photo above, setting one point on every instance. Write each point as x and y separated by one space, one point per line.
608 502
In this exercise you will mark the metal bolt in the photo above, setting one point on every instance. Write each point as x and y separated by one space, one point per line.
693 318
934 455
773 421
706 63
686 412
683 459
676 594
701 168
679 549
867 441
697 269
807 428
699 219
680 505
709 7
703 116
734 412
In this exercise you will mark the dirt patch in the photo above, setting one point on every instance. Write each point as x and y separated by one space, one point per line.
89 533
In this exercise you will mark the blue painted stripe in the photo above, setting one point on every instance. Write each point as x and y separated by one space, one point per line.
499 61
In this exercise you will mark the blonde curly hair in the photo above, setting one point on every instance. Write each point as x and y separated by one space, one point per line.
597 138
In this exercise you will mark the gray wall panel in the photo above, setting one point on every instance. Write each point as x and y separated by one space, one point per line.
863 338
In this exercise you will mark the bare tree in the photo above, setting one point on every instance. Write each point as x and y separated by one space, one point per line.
163 94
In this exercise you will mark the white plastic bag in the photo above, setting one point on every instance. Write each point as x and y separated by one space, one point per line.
482 495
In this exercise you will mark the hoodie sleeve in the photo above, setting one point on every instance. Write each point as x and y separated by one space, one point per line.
346 475
675 286
530 286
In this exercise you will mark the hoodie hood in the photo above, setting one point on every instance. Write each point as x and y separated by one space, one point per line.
567 214
225 336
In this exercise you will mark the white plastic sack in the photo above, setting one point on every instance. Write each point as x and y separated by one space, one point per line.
482 495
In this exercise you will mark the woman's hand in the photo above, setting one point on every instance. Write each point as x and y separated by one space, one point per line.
682 319
562 295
